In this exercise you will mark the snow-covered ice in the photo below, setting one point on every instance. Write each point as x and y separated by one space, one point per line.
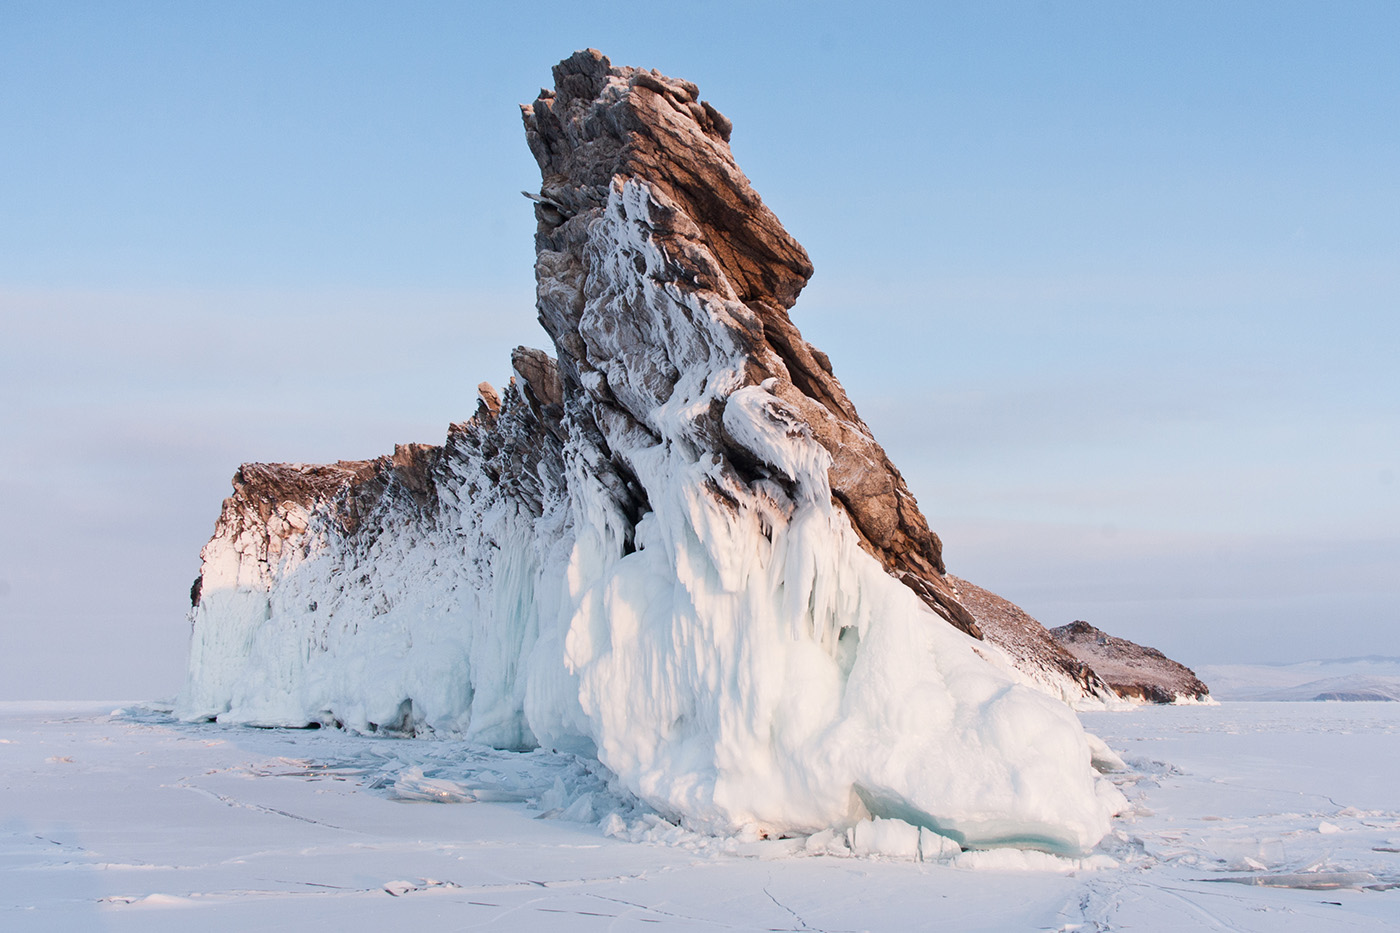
1373 677
138 822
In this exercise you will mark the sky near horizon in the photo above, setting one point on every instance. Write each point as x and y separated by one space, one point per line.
1117 285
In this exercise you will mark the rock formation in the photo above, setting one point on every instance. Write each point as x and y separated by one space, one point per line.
674 545
603 130
1034 652
1133 671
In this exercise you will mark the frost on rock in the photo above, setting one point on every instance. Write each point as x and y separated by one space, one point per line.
674 547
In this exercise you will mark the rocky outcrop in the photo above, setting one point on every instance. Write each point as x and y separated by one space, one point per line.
1133 671
673 545
595 138
1032 649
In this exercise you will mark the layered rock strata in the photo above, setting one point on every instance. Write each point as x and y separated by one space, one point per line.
674 545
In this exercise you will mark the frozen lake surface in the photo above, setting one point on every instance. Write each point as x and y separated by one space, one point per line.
1247 816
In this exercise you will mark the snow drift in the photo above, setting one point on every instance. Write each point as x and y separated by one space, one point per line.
674 546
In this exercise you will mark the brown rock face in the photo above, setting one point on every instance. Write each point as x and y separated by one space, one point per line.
272 503
603 122
1033 648
1132 670
502 451
603 127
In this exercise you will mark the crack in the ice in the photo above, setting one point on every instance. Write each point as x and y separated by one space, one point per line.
1090 900
315 884
1207 915
60 844
654 910
579 913
235 802
527 905
795 915
1276 790
570 882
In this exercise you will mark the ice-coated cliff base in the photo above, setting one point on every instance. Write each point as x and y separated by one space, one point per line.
737 679
674 546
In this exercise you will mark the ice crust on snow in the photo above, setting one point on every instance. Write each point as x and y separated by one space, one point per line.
703 618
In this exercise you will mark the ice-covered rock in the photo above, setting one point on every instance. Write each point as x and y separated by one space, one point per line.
675 546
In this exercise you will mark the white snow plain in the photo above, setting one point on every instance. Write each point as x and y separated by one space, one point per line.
1374 677
1245 816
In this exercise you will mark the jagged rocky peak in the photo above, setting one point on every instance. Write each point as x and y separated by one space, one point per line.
1133 671
673 546
638 153
604 123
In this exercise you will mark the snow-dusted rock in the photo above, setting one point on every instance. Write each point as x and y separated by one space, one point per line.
675 546
1133 671
1033 653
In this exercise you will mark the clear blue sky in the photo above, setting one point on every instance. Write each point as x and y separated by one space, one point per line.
1117 285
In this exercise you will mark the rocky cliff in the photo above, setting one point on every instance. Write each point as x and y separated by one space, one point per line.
710 237
673 545
1035 653
1133 671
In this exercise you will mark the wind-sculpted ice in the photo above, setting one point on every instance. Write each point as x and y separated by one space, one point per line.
675 548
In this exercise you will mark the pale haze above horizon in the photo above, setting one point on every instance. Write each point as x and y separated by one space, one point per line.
1117 285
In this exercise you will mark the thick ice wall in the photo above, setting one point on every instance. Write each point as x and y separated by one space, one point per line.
747 663
396 595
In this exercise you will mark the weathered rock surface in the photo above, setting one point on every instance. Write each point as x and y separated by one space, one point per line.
1133 671
674 545
601 129
1032 649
